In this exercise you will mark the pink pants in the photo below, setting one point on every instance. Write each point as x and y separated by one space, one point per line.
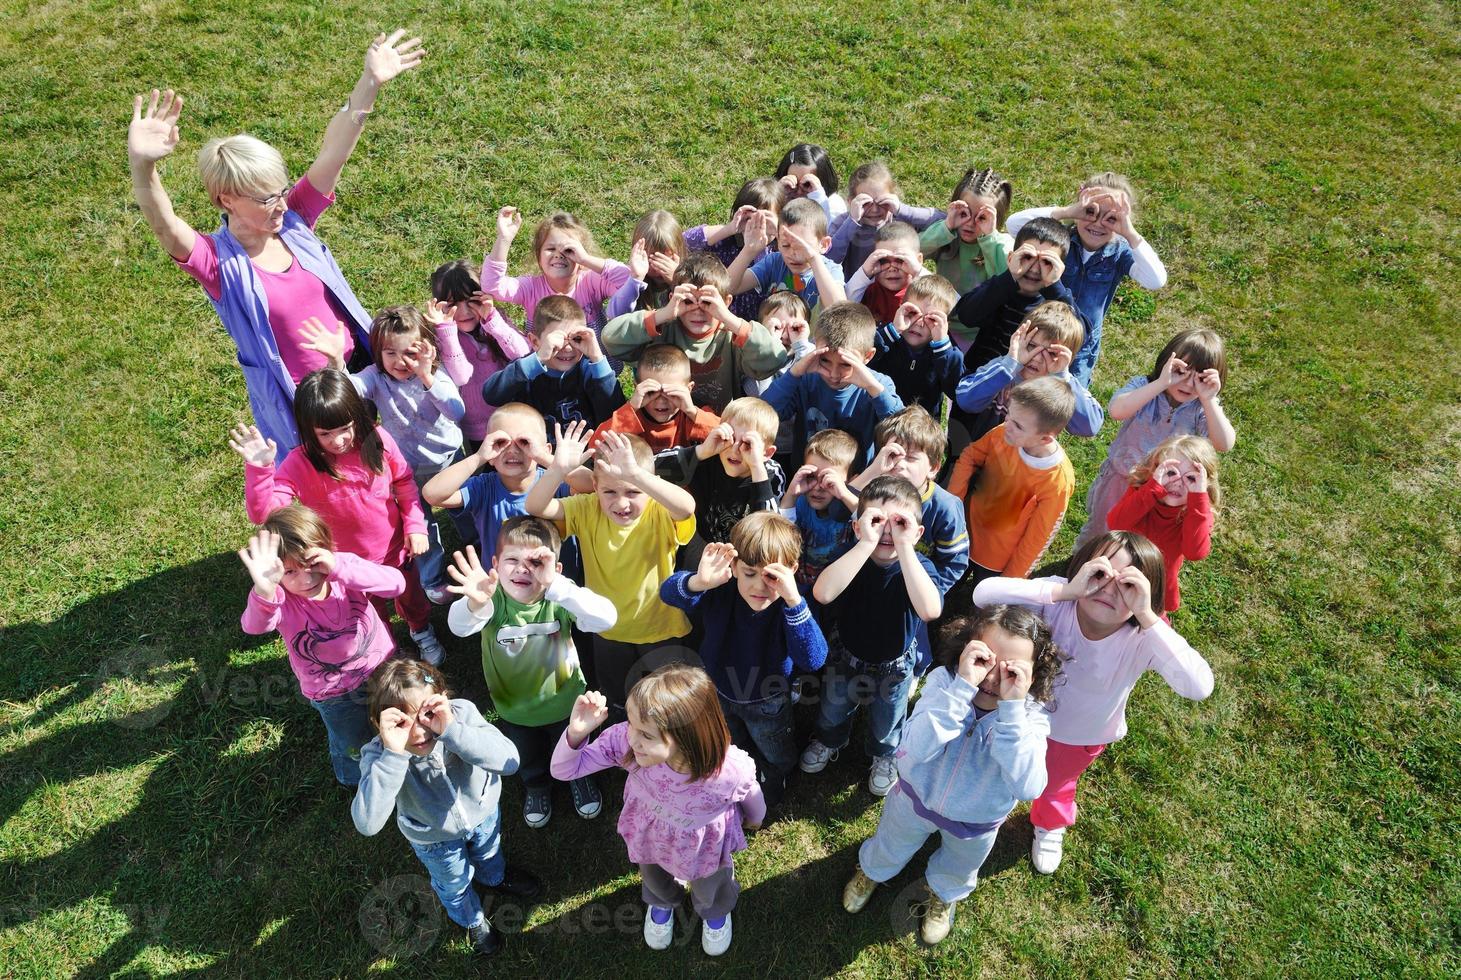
412 604
1055 808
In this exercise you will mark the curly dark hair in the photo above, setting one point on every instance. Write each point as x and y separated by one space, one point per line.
1017 621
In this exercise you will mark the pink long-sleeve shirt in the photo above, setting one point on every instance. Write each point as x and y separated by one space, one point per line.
336 641
1089 707
689 827
468 361
368 513
590 290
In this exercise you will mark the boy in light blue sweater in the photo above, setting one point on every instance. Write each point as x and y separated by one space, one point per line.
973 748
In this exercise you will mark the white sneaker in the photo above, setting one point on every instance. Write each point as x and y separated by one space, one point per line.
1046 852
816 756
429 646
658 936
438 595
883 777
716 941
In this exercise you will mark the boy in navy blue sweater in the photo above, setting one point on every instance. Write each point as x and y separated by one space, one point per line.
757 628
567 377
914 349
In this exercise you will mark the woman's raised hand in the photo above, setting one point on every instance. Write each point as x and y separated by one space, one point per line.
387 57
153 134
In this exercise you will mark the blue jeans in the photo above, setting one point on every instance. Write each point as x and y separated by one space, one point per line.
347 725
882 687
764 729
455 864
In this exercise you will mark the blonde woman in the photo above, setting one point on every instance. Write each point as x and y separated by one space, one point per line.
264 270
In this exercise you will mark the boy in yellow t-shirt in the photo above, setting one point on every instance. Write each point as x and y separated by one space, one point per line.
628 531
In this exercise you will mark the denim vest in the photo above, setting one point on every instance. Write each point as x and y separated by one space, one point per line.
244 310
1093 283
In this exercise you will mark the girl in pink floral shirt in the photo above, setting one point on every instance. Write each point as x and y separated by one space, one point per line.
688 793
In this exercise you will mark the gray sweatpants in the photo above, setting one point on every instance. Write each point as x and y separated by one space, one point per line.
712 897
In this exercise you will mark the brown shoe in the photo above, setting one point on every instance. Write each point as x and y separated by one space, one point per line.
858 891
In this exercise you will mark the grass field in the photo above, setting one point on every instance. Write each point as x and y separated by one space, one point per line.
165 802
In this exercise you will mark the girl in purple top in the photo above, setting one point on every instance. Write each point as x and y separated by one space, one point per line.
689 792
320 602
763 194
264 270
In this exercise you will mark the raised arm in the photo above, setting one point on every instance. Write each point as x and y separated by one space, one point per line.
386 58
152 136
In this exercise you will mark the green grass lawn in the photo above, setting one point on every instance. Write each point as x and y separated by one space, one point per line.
166 805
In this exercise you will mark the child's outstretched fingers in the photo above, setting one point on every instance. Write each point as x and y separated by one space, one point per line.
639 260
1018 340
249 442
589 711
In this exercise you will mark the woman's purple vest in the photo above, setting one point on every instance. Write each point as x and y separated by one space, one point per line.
244 310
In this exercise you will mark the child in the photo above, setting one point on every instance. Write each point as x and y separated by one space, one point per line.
662 412
761 194
1017 481
787 317
628 531
475 341
569 264
439 765
417 404
1103 614
491 485
1170 502
1178 397
807 172
1044 345
882 281
877 593
316 599
688 800
913 348
696 318
799 264
657 252
832 387
742 480
755 632
526 608
873 205
1110 250
567 378
967 247
348 470
989 316
819 501
973 748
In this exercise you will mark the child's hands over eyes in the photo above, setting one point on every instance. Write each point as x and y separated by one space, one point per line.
680 395
1014 680
1019 344
589 711
478 584
904 317
1093 576
327 342
888 458
395 729
494 444
983 220
1058 358
435 714
574 252
743 214
509 222
958 215
249 442
783 579
720 439
418 544
869 526
715 569
437 312
833 480
1169 474
875 260
861 375
683 299
261 557
639 260
808 362
1209 383
1197 479
905 532
1135 590
550 342
571 446
804 480
938 325
976 660
752 446
418 359
1020 259
586 342
663 265
1174 372
810 183
811 247
321 560
713 303
757 231
643 392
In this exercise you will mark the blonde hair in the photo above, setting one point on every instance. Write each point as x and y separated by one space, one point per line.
1058 323
643 454
846 324
1049 398
933 290
875 170
300 531
1194 449
764 538
521 410
1111 181
835 446
805 213
661 233
241 164
754 414
913 428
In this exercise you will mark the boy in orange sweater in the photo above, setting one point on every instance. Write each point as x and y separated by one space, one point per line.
1017 481
662 412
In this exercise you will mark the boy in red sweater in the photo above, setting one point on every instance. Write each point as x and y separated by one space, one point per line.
662 412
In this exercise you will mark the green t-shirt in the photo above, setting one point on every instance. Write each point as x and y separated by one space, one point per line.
529 660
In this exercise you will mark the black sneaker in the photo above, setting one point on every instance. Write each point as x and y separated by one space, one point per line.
587 799
485 940
516 883
537 807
